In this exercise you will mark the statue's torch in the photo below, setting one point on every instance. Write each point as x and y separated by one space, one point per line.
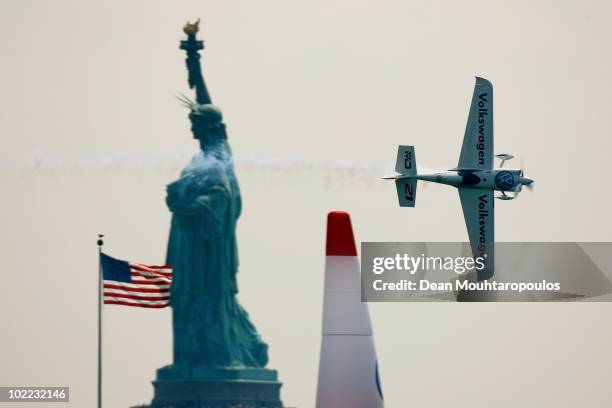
192 46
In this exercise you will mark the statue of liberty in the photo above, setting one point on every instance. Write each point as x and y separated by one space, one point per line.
219 357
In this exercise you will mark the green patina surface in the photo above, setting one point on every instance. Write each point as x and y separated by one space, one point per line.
219 358
210 327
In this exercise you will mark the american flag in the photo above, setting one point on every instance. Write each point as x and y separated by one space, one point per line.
134 284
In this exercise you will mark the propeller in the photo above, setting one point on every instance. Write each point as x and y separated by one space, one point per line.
530 185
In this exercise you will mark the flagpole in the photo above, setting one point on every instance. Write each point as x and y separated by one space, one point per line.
100 243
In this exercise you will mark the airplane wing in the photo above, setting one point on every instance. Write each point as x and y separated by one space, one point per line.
477 149
479 215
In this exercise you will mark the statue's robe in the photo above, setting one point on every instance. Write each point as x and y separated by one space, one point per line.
210 328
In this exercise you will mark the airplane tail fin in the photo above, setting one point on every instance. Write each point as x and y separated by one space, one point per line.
406 191
405 164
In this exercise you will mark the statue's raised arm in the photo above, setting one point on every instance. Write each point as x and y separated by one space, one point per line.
192 46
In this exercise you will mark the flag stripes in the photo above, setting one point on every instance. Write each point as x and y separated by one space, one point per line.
135 284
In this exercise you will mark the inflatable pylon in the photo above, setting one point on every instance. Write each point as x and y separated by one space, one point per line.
348 368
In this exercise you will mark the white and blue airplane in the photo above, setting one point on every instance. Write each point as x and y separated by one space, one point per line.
475 176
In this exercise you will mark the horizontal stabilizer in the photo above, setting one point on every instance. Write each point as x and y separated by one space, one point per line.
406 161
406 191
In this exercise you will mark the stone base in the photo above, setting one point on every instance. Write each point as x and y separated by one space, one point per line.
208 387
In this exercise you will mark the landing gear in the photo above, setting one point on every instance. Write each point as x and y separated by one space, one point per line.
505 196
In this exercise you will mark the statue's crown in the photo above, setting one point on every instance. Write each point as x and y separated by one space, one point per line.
207 113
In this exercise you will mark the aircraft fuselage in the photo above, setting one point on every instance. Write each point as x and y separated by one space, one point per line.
497 179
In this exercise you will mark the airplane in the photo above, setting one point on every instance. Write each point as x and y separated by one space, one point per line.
475 177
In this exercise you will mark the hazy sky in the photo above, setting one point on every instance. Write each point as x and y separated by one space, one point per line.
91 133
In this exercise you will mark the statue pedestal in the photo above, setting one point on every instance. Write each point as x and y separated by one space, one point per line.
216 387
